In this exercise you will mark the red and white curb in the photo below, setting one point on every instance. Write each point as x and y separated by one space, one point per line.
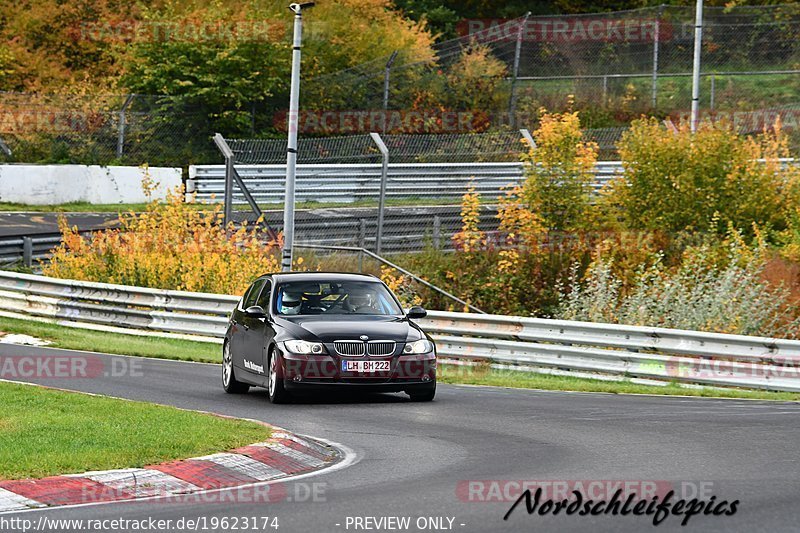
283 455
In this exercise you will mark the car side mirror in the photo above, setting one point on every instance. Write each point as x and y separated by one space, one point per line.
417 312
255 311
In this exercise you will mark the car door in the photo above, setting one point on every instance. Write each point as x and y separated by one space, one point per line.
240 342
258 332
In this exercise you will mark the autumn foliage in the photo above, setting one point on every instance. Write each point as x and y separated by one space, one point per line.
169 246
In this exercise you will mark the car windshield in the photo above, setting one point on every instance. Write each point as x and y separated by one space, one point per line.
335 298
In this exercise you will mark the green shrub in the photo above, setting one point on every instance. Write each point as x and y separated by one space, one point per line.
677 180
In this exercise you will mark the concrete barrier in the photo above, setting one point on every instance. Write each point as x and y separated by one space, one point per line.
59 184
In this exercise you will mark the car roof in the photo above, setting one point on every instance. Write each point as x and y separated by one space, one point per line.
280 277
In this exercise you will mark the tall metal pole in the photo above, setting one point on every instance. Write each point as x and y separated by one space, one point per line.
386 73
512 101
698 45
291 150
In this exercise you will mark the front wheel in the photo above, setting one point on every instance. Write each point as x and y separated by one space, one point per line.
229 381
423 394
275 387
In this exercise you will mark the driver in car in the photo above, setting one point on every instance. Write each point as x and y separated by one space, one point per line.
362 302
290 304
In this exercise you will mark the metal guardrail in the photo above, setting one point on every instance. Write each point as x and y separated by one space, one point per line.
26 249
347 183
530 343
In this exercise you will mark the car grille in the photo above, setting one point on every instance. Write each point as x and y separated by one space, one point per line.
353 348
380 348
357 348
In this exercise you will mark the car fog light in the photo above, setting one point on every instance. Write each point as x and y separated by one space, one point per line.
426 377
298 378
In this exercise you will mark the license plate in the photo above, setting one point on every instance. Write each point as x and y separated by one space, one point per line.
365 366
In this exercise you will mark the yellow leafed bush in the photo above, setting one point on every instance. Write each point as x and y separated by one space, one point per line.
677 180
169 246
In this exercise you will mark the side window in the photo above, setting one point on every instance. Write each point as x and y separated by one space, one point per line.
263 300
252 294
246 295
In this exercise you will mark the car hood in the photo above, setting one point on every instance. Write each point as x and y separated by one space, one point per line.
348 327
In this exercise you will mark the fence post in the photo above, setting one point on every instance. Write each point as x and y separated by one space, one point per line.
512 101
386 73
528 137
4 147
656 40
122 124
605 89
27 251
713 90
382 197
362 242
437 232
229 170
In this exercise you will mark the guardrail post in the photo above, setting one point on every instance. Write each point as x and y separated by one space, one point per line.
382 197
437 232
27 251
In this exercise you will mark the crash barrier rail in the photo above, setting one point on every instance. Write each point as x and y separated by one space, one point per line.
534 344
348 183
27 249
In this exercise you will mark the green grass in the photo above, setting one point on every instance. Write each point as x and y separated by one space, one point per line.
481 375
116 343
626 98
82 207
186 350
47 432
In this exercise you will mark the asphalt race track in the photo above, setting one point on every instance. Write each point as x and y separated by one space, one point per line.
27 223
412 457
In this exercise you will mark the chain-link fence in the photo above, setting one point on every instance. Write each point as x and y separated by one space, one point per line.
641 61
615 66
341 182
495 77
105 129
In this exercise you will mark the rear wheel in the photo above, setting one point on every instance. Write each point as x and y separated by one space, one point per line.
422 394
229 382
275 387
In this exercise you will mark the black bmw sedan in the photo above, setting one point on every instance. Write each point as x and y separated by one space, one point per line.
305 330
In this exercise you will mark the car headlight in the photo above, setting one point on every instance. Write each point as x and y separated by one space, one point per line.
418 347
304 347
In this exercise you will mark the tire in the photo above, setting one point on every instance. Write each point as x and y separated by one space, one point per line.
275 387
229 381
422 394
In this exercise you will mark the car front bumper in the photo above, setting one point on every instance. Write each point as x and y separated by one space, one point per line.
306 371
